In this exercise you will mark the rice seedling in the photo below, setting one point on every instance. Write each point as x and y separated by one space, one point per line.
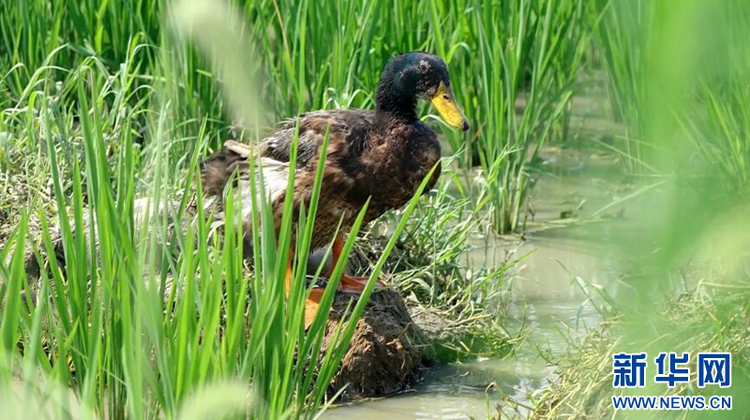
630 39
719 123
545 41
621 31
721 136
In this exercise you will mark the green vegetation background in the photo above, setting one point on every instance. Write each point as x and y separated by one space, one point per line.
105 101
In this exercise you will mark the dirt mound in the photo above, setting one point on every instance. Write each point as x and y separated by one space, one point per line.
387 354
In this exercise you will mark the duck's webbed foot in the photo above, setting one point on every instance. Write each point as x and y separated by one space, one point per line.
312 302
355 284
348 284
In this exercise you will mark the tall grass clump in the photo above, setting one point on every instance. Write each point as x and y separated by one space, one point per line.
110 33
690 208
630 39
461 303
530 60
433 263
622 31
721 133
720 123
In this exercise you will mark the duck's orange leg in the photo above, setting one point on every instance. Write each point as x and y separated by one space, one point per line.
312 302
351 284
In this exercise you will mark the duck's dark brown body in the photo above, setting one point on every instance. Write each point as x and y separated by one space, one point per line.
376 156
381 155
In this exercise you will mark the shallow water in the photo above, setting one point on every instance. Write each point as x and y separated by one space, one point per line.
545 302
551 307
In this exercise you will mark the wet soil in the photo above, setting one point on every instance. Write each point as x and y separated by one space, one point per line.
389 352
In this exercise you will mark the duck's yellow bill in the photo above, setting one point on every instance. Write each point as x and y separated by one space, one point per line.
446 105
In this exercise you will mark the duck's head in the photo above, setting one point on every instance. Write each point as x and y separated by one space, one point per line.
418 75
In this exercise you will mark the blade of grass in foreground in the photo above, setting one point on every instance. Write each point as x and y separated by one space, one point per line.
12 304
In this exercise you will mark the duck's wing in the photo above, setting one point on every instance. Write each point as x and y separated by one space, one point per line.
348 132
234 157
348 138
348 127
218 169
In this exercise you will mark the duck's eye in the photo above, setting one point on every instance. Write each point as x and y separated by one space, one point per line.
445 96
423 67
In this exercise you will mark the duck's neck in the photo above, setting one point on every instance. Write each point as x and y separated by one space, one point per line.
393 105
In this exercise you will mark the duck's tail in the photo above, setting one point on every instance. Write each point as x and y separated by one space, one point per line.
218 168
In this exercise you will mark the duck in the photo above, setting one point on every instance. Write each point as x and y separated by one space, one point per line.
379 155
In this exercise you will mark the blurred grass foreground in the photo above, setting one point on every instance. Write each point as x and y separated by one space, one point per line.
140 308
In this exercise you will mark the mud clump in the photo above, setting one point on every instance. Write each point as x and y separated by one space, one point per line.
388 352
